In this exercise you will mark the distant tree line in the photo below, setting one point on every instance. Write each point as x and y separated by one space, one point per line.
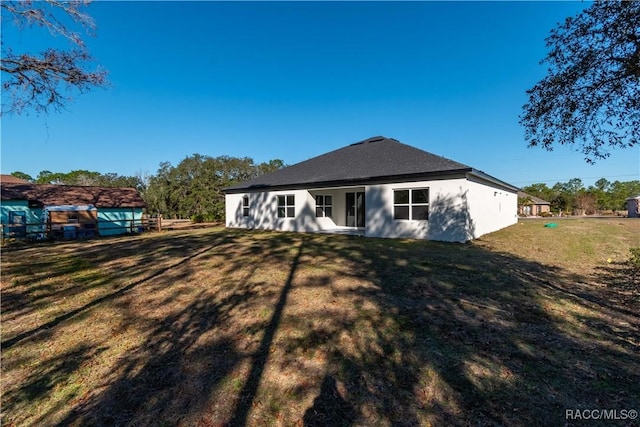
574 197
82 177
191 189
194 187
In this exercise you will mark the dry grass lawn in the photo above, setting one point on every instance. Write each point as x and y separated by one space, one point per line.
217 327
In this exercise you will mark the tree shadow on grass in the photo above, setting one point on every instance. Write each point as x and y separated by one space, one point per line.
344 330
623 283
47 377
172 370
260 357
329 407
188 355
453 334
34 294
165 343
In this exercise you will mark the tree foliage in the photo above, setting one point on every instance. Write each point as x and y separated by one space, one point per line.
85 177
573 196
590 97
194 187
22 175
44 80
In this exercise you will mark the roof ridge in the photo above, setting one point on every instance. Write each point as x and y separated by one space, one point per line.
371 139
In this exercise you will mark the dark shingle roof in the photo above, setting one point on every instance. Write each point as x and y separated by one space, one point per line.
52 195
373 158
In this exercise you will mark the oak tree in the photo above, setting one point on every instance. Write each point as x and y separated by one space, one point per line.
194 187
590 97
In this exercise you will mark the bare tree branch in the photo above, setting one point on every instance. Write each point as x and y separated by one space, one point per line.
46 80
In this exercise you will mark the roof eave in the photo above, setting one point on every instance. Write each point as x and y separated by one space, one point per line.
350 182
486 177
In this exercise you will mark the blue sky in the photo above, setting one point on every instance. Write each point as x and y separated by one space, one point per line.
292 80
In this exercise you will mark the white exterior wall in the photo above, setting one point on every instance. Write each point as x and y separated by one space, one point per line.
263 212
448 212
459 210
491 207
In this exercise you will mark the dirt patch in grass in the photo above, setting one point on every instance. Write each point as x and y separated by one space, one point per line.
225 327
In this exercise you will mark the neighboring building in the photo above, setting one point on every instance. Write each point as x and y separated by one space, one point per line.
10 179
633 207
65 211
529 205
378 187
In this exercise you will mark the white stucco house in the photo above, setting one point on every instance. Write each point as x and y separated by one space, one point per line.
378 187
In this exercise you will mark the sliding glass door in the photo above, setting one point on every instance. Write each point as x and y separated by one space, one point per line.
355 209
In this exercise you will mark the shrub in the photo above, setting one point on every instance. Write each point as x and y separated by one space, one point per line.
197 218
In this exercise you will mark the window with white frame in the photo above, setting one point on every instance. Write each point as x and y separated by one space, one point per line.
286 206
245 205
411 204
324 206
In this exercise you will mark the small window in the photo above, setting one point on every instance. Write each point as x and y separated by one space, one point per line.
411 204
286 206
72 217
324 206
245 206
